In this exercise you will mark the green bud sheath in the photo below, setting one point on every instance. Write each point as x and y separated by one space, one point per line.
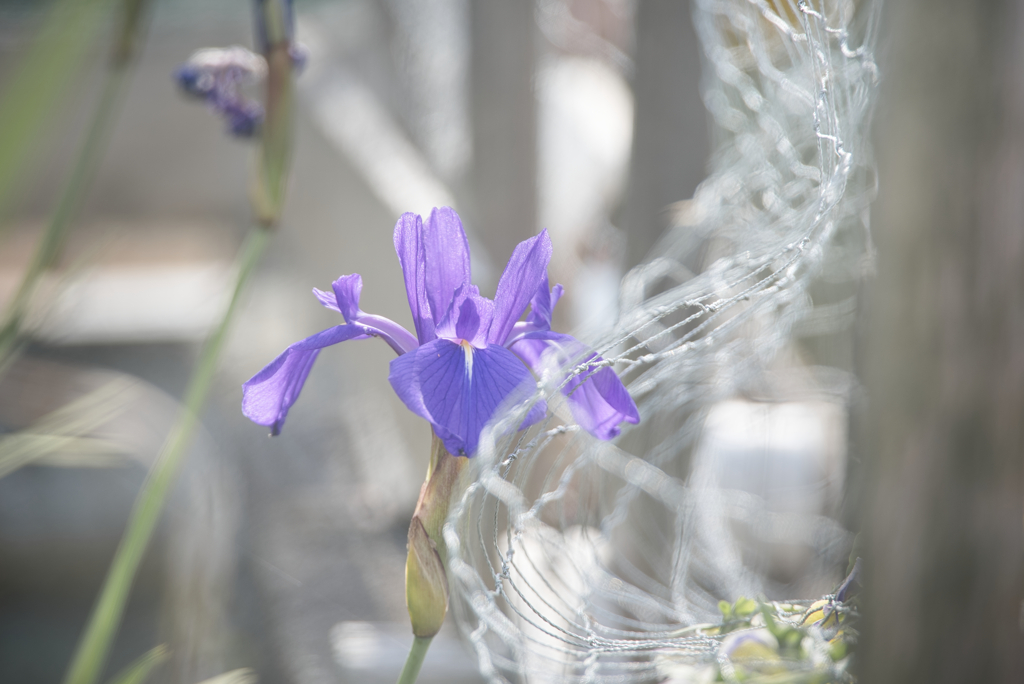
426 579
426 583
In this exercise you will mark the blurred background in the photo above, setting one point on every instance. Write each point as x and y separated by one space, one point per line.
583 117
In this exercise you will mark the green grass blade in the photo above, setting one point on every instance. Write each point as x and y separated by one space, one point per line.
61 435
106 616
139 671
72 195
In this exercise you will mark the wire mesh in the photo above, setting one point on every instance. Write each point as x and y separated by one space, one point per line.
573 559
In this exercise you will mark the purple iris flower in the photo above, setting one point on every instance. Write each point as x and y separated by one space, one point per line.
469 353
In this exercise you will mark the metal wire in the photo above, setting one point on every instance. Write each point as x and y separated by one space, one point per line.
576 560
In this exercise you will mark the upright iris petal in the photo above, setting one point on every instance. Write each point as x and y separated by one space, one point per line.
542 306
467 357
411 256
525 271
445 259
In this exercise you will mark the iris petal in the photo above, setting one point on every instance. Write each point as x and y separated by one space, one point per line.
345 300
542 306
525 272
475 316
599 401
457 388
446 258
328 299
347 290
267 396
412 257
397 337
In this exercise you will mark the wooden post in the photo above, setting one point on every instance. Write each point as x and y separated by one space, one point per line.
670 132
943 351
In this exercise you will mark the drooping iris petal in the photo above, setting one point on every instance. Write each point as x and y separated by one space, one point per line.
600 402
457 388
345 300
446 255
411 256
518 284
598 399
267 396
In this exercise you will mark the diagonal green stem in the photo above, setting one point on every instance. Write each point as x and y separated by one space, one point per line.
106 616
73 193
417 652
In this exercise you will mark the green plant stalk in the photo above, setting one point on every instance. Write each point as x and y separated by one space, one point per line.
72 195
94 646
139 671
268 200
40 81
414 662
271 169
426 566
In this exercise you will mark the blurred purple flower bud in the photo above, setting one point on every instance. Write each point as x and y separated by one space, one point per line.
193 81
243 116
300 56
217 75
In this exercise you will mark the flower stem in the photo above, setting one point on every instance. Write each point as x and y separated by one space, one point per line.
106 616
414 662
70 200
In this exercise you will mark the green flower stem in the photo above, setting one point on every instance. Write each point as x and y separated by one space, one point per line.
426 566
83 172
106 616
414 662
275 154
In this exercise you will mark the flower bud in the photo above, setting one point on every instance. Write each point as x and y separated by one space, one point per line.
217 76
426 583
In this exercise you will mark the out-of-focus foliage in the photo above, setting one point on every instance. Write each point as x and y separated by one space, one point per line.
139 671
42 79
63 436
